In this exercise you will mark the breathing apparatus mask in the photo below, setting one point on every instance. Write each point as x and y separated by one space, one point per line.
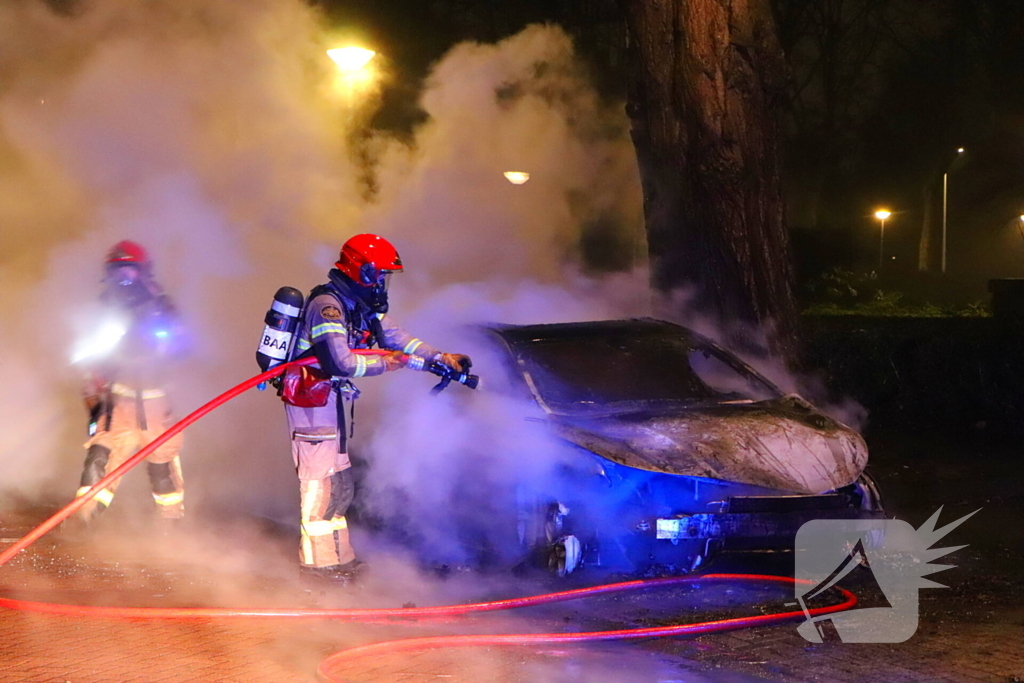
126 285
372 288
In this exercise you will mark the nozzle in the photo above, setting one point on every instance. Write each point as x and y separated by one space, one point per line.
448 375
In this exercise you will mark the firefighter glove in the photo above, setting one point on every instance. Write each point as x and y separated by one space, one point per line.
395 360
456 361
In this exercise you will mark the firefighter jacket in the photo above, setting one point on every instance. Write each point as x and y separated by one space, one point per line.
336 322
142 341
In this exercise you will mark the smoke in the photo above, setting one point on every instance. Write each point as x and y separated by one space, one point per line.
213 133
523 104
217 134
447 469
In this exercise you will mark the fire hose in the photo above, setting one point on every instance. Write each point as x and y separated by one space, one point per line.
367 614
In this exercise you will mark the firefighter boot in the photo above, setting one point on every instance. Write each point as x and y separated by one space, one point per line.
340 574
95 469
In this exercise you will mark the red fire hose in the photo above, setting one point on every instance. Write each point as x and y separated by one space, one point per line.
331 662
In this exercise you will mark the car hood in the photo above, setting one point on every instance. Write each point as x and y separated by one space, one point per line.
783 444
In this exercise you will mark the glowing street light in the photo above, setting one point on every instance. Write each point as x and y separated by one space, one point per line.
351 59
355 76
516 177
881 215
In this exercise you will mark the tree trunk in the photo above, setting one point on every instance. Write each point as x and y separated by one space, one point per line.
706 83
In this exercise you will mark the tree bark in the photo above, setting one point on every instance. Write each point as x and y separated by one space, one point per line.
707 78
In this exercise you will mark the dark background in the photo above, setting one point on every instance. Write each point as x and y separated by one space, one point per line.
882 93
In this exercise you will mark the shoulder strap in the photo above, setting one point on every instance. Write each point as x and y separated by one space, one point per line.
320 289
327 289
300 328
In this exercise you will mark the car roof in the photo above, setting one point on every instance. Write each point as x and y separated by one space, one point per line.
518 337
518 334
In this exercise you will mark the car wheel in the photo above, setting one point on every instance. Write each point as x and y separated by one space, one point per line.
564 556
548 539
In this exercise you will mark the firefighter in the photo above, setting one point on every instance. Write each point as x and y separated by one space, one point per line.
349 312
125 363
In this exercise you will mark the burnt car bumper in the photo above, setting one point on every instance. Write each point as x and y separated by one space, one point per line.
756 522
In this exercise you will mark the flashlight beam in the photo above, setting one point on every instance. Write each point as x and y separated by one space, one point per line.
101 343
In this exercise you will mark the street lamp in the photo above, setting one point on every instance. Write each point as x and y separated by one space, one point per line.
355 74
351 59
881 215
945 187
516 177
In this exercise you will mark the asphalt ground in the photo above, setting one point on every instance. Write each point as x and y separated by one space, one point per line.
971 631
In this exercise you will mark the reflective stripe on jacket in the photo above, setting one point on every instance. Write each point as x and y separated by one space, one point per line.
325 322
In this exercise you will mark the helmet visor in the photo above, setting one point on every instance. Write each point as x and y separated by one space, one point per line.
371 277
123 274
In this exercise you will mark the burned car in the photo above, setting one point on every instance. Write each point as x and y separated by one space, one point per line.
680 450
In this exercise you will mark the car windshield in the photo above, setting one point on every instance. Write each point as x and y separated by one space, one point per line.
623 371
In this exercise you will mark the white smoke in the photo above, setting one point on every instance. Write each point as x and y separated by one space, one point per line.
211 132
208 131
523 104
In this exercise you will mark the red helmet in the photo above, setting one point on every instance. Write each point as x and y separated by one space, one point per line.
364 258
127 252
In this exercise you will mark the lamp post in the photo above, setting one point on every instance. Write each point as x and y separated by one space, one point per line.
945 188
881 215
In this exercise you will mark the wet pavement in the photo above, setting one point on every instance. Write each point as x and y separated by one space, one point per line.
972 631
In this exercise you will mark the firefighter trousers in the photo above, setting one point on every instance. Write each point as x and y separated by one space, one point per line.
326 486
133 421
